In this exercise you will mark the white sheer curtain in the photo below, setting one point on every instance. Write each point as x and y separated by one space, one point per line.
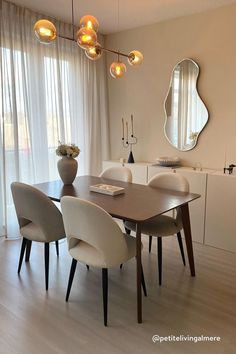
49 93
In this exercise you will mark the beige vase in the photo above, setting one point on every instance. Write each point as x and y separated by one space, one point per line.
67 168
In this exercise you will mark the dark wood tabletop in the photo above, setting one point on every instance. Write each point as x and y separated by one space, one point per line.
138 203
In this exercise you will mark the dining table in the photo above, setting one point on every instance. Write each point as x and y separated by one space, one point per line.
138 204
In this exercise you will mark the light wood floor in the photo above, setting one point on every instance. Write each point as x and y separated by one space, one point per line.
35 322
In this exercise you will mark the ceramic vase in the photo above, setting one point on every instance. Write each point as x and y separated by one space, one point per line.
67 168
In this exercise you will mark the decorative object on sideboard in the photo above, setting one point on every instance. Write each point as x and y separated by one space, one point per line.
168 161
86 38
129 141
185 113
230 169
197 166
122 161
67 165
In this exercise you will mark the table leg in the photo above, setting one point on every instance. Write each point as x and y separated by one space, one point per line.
139 272
188 236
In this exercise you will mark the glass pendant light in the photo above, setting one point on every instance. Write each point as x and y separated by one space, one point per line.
117 69
89 22
94 53
45 31
135 57
86 38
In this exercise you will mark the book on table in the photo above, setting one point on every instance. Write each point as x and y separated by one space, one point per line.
107 189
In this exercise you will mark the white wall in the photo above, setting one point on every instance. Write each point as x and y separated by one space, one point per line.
208 38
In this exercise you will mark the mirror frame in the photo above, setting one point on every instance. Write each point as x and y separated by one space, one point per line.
168 91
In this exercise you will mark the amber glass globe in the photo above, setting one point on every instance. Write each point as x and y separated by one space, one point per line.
86 38
45 31
117 69
94 53
89 22
135 57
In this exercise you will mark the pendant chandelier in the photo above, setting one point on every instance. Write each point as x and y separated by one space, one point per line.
86 38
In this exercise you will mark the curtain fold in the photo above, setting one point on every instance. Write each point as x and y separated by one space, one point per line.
49 93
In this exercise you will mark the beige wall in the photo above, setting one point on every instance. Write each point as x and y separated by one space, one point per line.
209 39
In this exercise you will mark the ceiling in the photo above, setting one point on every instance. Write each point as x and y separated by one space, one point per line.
132 13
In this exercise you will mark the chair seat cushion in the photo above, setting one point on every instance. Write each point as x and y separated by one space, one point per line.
161 225
89 255
34 233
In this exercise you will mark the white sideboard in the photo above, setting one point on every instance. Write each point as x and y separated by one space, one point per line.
221 211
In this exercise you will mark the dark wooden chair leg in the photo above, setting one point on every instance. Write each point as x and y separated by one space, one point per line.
46 260
22 251
71 277
87 266
143 282
128 232
28 249
57 248
159 256
181 247
105 293
150 244
121 265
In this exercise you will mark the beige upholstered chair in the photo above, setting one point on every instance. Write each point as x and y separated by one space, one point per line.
94 238
39 220
117 173
164 225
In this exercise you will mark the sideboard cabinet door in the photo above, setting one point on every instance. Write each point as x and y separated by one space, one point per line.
221 211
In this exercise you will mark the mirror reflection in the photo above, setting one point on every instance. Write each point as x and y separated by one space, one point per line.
186 114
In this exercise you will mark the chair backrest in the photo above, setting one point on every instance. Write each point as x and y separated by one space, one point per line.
85 221
171 181
118 173
34 206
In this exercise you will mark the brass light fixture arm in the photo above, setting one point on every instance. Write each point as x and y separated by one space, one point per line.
114 51
102 48
65 37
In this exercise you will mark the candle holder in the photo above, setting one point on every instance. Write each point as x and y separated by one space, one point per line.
128 142
230 169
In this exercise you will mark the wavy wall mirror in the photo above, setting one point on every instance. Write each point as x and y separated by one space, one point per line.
186 114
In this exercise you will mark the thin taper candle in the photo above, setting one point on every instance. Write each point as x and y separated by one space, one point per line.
127 137
225 156
123 129
132 126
